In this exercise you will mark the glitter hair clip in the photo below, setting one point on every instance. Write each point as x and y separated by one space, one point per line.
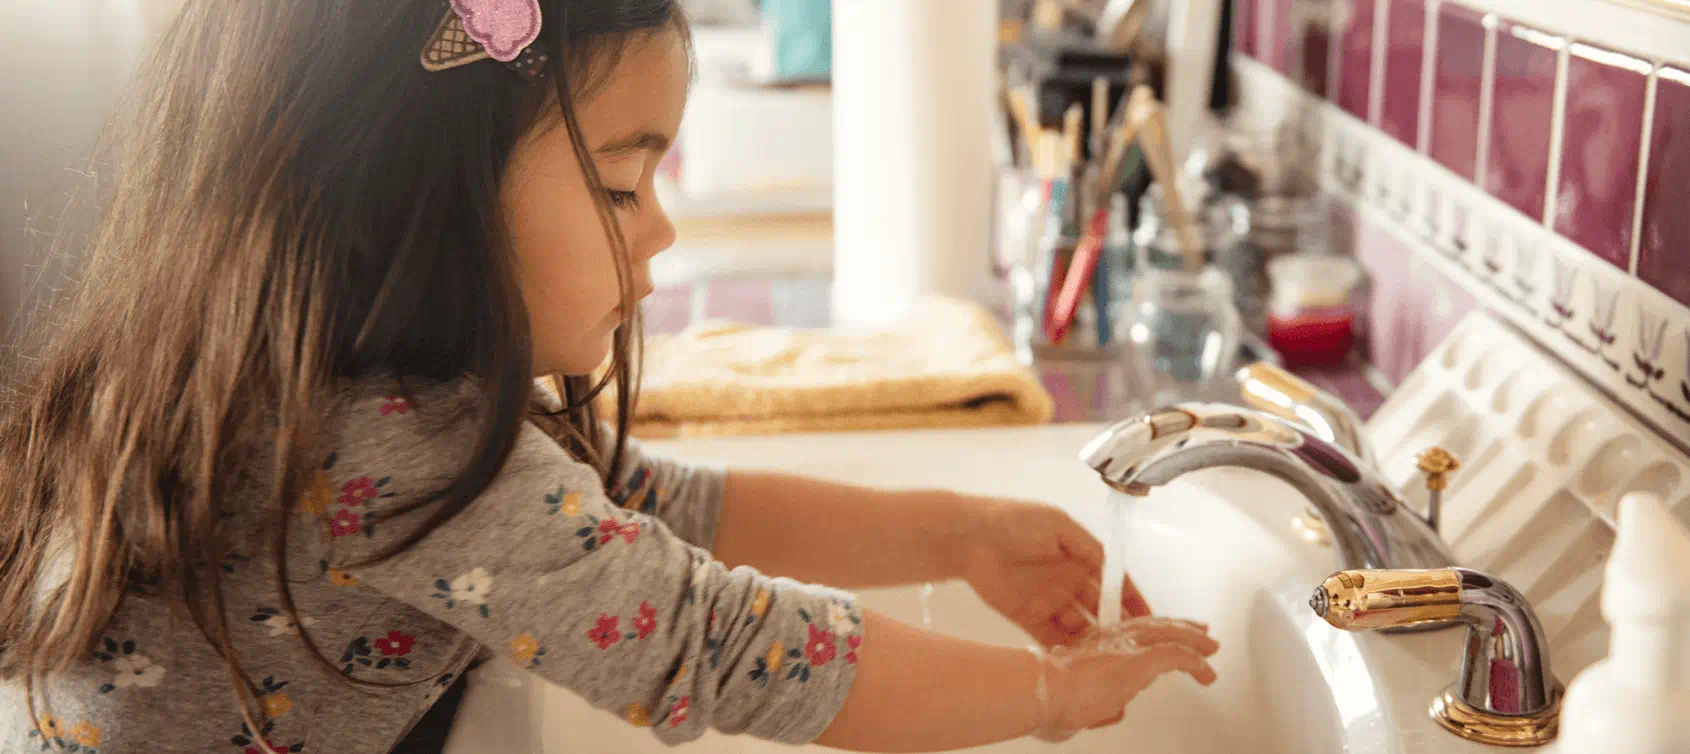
474 30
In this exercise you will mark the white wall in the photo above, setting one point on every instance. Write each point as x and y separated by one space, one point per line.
60 71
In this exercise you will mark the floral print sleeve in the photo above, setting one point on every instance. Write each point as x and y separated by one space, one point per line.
601 598
685 497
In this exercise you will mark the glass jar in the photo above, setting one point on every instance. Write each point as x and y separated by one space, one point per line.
1184 325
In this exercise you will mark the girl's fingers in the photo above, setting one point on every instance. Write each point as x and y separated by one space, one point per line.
1132 601
1069 619
1175 633
1080 544
1090 595
1161 659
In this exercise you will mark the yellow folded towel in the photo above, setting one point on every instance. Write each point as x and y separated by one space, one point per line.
947 365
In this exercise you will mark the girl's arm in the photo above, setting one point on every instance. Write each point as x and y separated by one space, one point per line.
831 533
547 571
920 691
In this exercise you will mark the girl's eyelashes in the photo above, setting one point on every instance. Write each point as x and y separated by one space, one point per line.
623 199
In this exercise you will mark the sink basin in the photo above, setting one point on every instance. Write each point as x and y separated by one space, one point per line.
1215 546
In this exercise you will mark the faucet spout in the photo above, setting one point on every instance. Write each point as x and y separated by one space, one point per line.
1370 525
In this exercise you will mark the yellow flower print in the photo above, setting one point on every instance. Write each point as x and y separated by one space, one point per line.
773 656
761 604
525 647
276 705
342 578
572 504
679 674
85 734
637 716
317 499
51 727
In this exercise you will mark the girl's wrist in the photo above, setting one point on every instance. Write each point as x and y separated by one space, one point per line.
960 532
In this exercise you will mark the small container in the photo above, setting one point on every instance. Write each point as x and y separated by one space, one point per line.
1047 243
1314 312
1183 324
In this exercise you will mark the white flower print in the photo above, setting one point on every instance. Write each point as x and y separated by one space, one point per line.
839 619
137 670
472 588
282 625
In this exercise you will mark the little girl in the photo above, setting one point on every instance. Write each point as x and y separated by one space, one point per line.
281 471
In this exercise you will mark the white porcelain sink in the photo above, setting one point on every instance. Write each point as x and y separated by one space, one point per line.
1215 546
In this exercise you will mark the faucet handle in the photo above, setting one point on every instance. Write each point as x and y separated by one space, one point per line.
1506 695
1365 600
1437 464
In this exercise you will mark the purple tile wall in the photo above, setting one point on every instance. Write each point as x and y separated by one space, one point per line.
1663 254
1244 35
1602 133
1521 115
1279 50
1414 306
1317 59
1458 75
1404 50
1355 63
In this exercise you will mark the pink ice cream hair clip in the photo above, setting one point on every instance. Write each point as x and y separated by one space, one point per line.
474 30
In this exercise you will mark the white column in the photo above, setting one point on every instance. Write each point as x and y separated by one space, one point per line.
913 89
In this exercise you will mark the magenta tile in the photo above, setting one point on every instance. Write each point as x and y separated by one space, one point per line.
1355 58
1458 75
1278 42
1405 41
1663 254
1244 27
667 309
1602 133
1521 117
746 301
1317 59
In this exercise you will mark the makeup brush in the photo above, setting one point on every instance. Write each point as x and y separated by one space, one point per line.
1099 117
1159 153
1021 109
1140 108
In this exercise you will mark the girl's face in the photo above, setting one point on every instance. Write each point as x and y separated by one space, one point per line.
565 264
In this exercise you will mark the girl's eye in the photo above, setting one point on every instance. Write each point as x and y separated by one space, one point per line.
624 199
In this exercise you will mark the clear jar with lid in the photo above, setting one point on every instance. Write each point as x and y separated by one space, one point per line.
1184 325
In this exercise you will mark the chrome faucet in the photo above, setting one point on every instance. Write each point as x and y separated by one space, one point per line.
1369 523
1506 694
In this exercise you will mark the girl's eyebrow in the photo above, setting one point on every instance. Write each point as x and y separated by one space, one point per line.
649 141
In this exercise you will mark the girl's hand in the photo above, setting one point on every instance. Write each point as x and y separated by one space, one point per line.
1035 565
1089 684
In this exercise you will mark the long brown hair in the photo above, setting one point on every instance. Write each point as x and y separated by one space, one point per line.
296 202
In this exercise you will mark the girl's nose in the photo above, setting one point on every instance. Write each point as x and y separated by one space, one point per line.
657 238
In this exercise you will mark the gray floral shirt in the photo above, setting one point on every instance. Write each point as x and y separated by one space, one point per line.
615 597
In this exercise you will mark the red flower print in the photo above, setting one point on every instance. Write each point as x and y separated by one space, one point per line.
395 405
855 643
268 747
358 490
678 713
395 644
345 523
647 622
631 532
605 633
820 648
608 529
